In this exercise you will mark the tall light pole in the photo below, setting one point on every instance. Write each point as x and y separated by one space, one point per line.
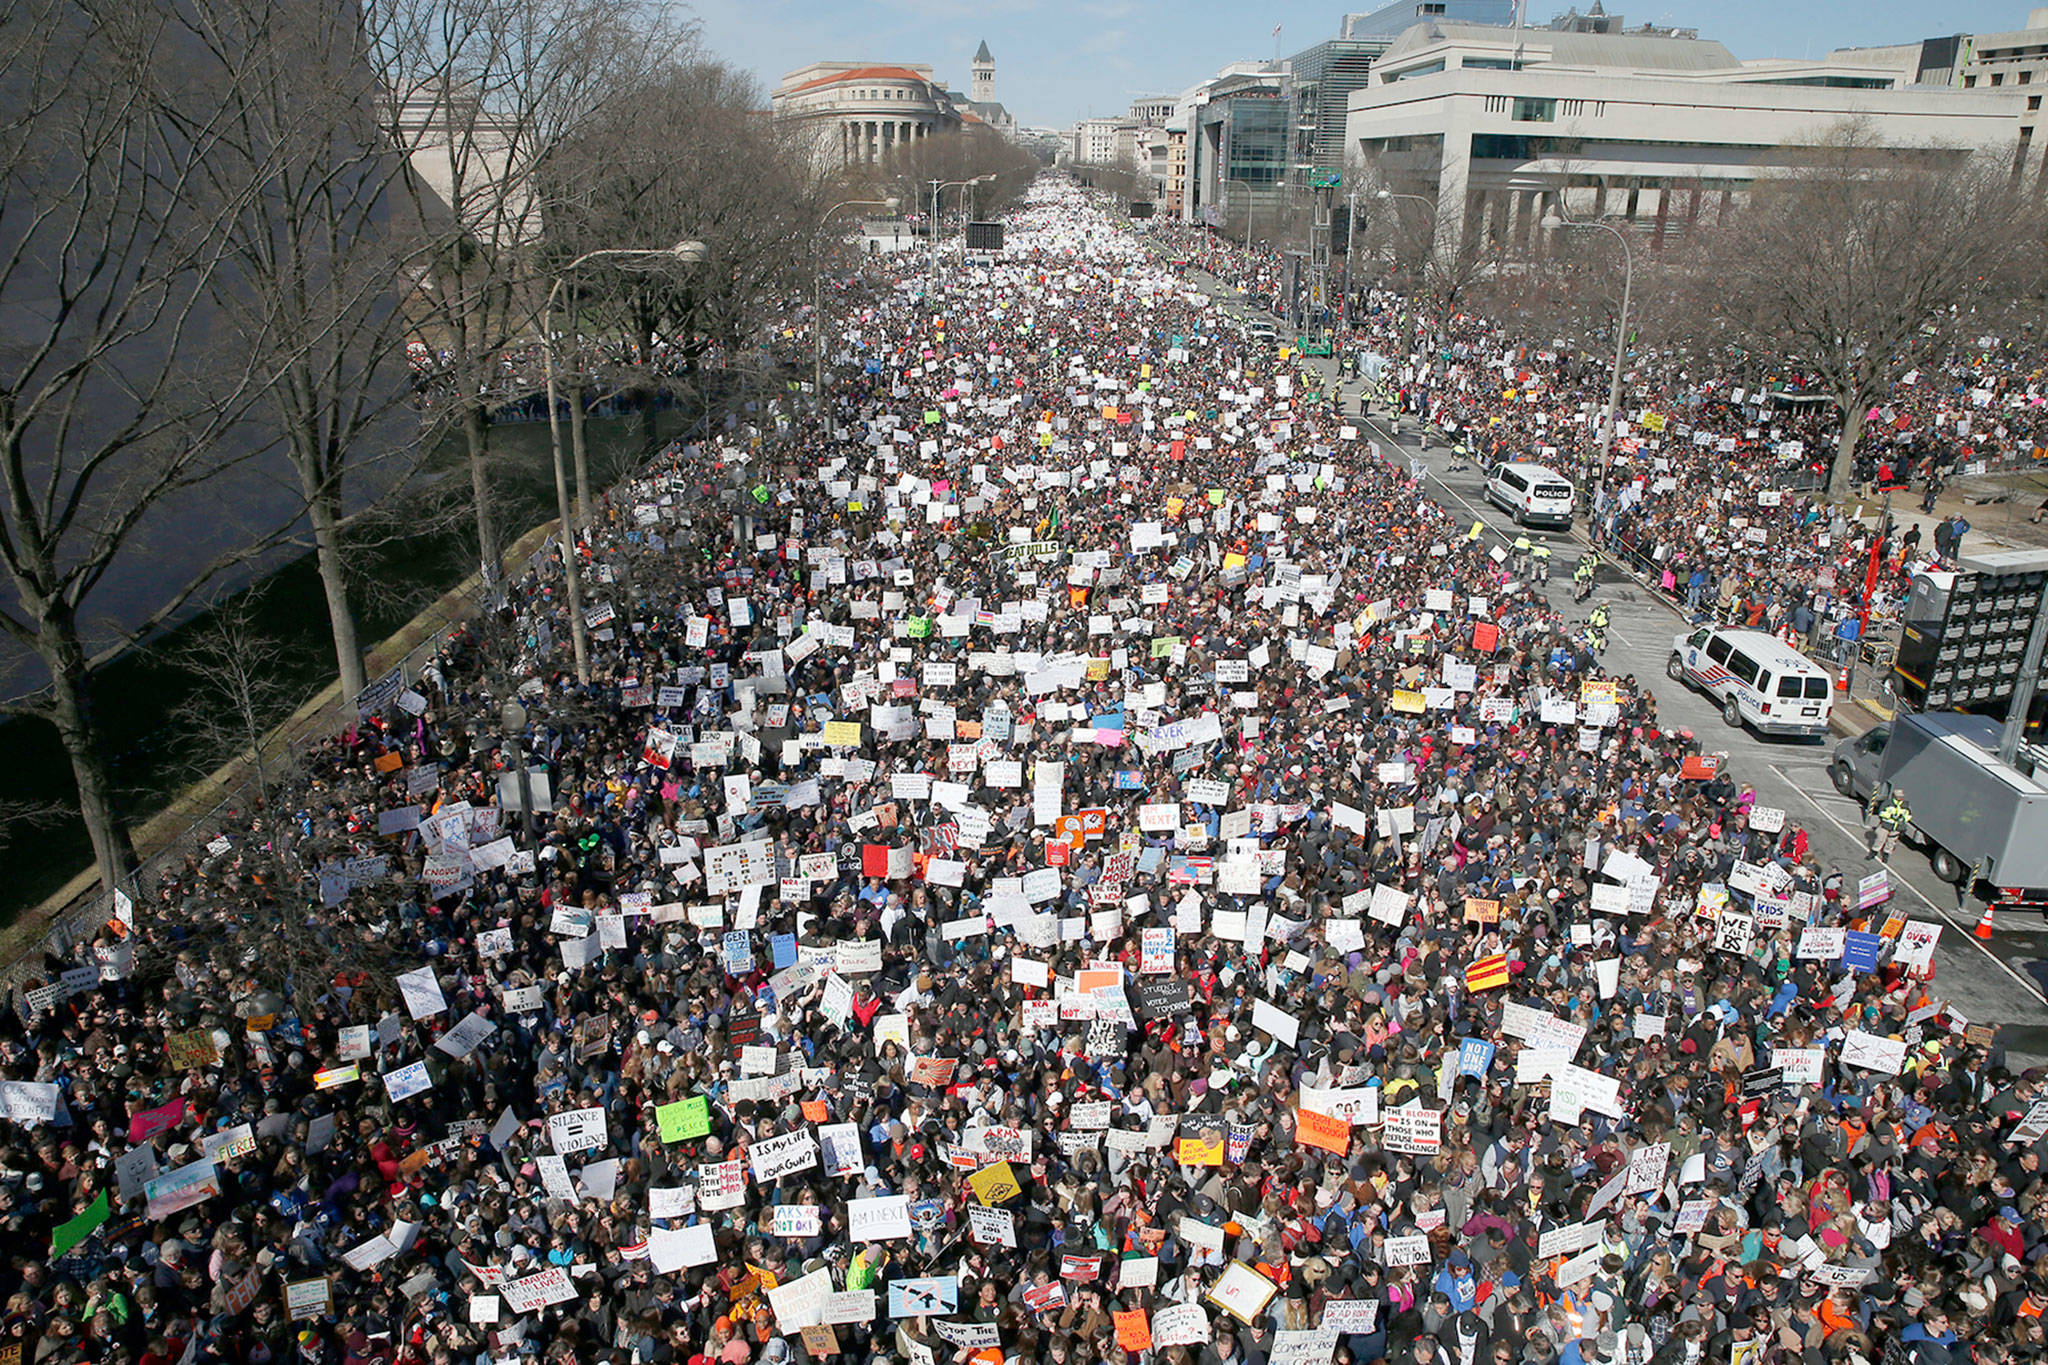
687 253
1628 279
818 289
1344 299
938 188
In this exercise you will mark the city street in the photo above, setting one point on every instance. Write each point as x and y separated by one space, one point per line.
1997 982
2003 981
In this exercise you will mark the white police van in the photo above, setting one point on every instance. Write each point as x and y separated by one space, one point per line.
1531 494
1759 680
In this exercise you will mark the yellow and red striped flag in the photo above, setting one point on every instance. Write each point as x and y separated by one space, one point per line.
1487 973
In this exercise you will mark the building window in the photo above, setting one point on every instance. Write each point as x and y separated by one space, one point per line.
2026 78
1969 82
2033 103
1998 78
1535 110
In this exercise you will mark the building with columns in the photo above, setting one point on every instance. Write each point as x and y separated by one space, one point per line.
858 112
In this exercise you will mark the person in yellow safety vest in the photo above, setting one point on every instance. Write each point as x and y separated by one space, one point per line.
1521 553
1542 557
1892 818
1582 576
1598 620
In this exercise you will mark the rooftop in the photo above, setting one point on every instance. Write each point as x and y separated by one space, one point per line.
1630 51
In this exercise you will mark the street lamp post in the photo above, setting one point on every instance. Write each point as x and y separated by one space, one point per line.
688 253
1628 279
818 291
939 187
512 733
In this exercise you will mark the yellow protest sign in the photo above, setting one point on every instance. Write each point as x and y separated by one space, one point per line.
994 1185
842 732
1478 529
1408 702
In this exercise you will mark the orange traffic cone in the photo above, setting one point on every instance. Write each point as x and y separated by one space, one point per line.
1983 929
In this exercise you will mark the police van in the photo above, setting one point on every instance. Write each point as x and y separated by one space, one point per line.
1759 680
1531 494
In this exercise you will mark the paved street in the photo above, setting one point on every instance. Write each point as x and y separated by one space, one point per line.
2001 982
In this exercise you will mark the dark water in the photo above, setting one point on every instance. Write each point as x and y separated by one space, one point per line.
137 696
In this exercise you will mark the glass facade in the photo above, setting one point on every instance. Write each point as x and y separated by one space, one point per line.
1258 150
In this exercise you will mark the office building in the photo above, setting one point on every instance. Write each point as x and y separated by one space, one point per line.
1491 124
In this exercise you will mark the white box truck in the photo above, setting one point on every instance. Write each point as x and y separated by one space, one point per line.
1969 809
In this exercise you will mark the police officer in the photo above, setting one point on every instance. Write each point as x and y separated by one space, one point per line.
1521 559
1582 576
1596 628
1541 554
1892 818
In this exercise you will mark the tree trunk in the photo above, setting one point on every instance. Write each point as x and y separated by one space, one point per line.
581 452
476 430
341 619
71 712
1841 483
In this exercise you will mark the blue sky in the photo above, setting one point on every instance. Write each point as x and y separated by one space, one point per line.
1060 60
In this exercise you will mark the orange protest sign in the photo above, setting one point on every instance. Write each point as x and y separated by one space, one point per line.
389 763
816 1111
1133 1329
1320 1130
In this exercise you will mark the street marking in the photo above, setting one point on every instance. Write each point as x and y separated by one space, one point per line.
1962 930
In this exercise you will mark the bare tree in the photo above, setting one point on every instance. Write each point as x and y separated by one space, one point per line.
908 171
313 269
747 193
121 392
1435 269
476 95
1857 268
239 693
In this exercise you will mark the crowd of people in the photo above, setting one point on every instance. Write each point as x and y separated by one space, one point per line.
1715 486
1064 855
